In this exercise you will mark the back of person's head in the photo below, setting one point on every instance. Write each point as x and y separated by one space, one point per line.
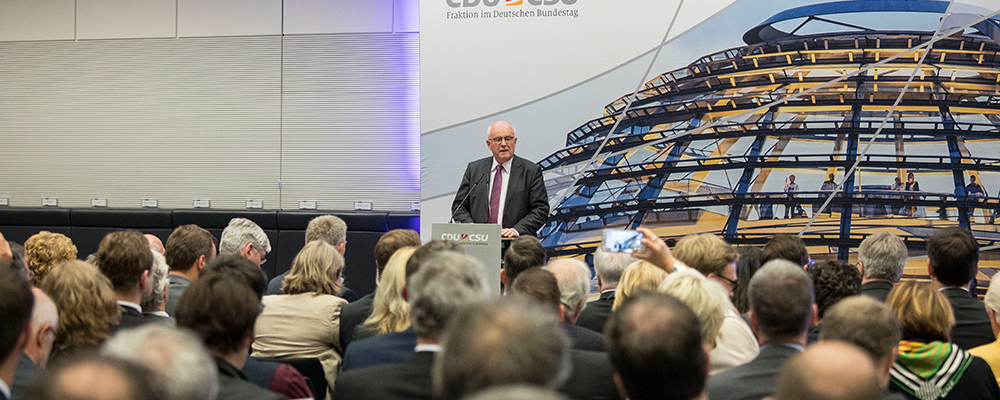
510 341
427 251
538 284
785 247
44 250
186 245
328 228
97 378
746 266
392 241
44 324
924 313
610 265
443 284
316 269
953 255
390 310
639 276
240 269
221 311
574 283
829 370
706 298
833 280
15 311
864 322
123 256
707 253
524 252
519 392
18 263
883 256
241 232
176 357
781 299
655 344
87 304
992 298
161 278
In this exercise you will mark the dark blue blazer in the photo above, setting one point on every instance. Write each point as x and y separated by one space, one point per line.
391 348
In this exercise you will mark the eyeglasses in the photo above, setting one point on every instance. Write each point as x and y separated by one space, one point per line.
497 140
732 283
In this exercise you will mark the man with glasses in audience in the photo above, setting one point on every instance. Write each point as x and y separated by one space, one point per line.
483 194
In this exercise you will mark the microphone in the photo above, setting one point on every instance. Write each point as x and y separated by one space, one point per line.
466 197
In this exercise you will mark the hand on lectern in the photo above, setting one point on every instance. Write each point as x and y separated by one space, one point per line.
508 233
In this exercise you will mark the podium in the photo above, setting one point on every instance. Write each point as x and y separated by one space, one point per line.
479 241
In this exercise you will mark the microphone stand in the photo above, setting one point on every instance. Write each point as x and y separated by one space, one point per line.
466 197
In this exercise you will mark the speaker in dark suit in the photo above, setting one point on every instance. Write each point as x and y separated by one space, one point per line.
409 380
522 197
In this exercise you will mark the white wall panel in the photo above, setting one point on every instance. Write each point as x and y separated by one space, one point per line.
170 119
36 19
228 17
338 16
114 19
406 15
351 120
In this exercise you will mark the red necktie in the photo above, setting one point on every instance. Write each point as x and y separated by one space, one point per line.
495 195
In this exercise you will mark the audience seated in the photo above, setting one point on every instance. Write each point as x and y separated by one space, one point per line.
952 262
16 327
991 352
524 252
390 310
573 279
881 258
609 267
189 249
245 238
746 266
705 298
42 334
222 312
657 349
355 313
639 276
833 280
785 247
156 305
333 231
869 324
176 357
510 341
441 285
44 250
88 307
929 366
716 260
124 257
304 322
781 310
93 378
829 370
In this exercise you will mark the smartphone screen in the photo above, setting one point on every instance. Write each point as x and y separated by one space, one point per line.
622 241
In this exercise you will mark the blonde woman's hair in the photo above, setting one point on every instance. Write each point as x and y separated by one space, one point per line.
924 314
87 304
46 249
707 253
390 312
705 297
316 269
638 276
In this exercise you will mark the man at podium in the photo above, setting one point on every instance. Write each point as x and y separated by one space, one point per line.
503 189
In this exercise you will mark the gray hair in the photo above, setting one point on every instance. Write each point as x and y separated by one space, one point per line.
883 256
781 298
44 311
610 266
161 272
241 232
573 277
992 298
176 356
328 228
509 341
440 287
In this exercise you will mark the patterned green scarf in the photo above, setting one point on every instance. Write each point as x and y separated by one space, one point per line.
929 371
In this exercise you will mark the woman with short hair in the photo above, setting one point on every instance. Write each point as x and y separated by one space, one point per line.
88 307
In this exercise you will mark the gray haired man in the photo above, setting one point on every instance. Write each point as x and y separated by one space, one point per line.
881 259
242 236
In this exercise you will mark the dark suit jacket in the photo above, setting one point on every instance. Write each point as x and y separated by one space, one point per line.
409 380
583 338
391 348
525 207
25 374
877 289
134 319
592 377
972 324
754 380
596 314
233 385
352 315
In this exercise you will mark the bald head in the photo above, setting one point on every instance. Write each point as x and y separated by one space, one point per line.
155 244
829 370
44 322
573 277
96 379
